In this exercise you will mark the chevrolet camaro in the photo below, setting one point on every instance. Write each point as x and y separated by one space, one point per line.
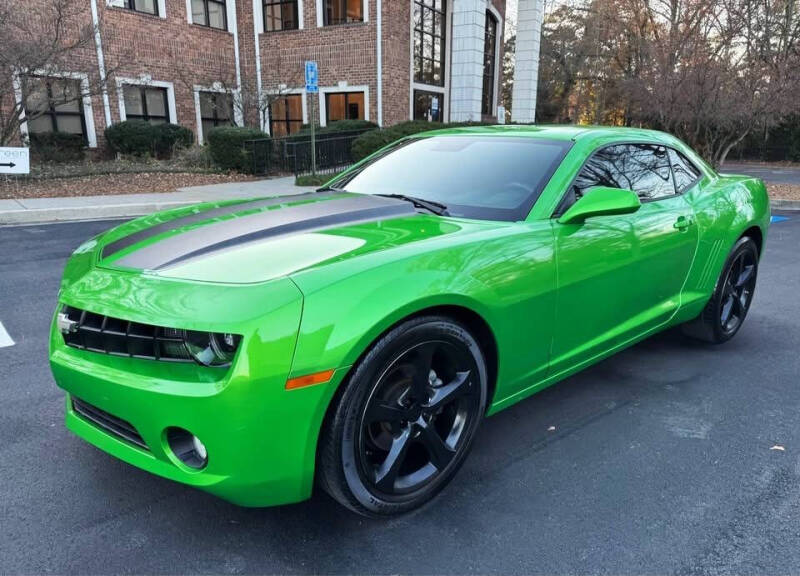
354 338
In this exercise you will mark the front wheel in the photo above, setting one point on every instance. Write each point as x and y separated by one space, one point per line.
724 314
405 419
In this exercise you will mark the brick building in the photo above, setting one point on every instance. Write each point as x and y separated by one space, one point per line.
202 63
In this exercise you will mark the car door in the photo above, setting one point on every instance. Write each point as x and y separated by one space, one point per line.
620 276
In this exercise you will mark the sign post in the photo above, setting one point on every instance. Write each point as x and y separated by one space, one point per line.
15 161
312 87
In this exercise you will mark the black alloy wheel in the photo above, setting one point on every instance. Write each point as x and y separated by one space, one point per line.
725 312
406 418
737 291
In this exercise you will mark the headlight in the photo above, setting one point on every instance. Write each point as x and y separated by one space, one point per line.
211 349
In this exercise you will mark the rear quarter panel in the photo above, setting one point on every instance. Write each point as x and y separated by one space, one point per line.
725 207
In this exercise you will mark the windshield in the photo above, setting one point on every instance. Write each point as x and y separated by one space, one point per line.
482 177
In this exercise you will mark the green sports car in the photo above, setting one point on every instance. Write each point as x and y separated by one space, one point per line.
356 336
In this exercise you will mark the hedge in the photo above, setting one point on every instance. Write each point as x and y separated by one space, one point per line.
226 146
57 146
140 138
372 141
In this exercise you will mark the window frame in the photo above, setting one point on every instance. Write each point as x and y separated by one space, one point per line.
286 120
422 33
217 121
297 14
322 18
145 116
346 91
52 113
492 111
207 13
694 182
563 206
131 5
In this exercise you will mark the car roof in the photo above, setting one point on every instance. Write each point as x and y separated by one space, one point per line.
558 132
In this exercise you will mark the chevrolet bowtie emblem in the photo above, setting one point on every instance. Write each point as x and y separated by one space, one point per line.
65 325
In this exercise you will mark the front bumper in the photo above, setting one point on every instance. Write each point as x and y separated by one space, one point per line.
261 439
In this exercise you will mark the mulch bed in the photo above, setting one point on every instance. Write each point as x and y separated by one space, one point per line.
784 191
138 183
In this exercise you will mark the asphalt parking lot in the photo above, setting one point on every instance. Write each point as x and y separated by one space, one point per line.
661 461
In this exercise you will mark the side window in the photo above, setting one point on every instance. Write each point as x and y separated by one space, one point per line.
685 173
643 168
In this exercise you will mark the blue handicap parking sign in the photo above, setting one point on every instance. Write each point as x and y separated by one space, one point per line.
311 77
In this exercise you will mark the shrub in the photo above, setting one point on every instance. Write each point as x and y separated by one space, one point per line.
167 138
134 137
226 146
374 140
333 129
140 138
57 146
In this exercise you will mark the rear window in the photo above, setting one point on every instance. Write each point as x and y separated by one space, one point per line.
482 177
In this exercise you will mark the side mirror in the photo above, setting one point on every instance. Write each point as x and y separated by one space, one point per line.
601 201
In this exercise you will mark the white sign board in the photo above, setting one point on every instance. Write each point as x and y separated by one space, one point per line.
15 161
501 114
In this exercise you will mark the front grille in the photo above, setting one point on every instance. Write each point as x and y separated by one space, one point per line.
98 333
102 419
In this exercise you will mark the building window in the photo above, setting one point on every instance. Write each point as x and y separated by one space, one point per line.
216 109
342 11
146 6
54 105
209 13
489 68
429 41
428 106
280 15
286 115
146 103
344 106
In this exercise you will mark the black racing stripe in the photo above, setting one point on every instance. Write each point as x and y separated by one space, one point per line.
169 225
262 226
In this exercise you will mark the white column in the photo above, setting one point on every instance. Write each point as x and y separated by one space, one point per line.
526 68
466 86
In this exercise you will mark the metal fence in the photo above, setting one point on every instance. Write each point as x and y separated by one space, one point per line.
292 154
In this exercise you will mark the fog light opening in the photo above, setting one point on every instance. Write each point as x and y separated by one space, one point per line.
187 448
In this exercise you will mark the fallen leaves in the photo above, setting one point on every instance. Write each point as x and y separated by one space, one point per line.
778 447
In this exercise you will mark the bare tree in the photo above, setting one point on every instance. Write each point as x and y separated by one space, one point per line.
43 40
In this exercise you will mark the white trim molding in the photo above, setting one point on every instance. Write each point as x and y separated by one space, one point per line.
101 63
147 81
258 26
340 88
287 92
321 13
86 99
162 6
238 119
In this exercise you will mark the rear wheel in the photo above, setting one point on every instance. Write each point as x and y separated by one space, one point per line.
405 419
724 314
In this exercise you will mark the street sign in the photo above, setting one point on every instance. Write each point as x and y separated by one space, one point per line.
15 161
312 77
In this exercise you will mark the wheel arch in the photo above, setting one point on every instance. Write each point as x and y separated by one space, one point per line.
754 232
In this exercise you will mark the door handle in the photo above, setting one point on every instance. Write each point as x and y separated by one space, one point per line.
683 223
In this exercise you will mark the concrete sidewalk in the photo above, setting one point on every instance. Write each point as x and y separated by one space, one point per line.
39 210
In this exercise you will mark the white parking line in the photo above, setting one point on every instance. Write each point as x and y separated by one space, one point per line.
5 339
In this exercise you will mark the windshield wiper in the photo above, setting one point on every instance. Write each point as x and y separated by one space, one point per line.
436 207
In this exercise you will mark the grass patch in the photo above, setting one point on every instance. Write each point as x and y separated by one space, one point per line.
314 179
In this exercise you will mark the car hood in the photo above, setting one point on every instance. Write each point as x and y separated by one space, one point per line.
259 240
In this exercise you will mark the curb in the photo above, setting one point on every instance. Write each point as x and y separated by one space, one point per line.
77 213
108 212
791 205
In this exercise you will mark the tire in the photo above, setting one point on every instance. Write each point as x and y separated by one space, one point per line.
727 309
396 436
